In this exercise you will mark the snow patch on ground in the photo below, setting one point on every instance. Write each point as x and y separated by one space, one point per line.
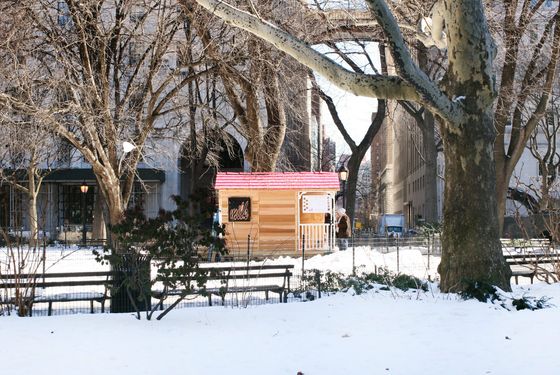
378 332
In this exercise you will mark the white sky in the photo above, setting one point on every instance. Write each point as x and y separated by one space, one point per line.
354 111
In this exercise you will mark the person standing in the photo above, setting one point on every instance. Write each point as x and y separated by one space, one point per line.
342 228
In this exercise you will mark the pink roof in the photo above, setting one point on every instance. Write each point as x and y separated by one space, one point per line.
277 180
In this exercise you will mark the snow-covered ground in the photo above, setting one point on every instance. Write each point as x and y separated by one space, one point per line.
379 332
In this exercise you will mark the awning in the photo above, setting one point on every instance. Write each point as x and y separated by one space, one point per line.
79 175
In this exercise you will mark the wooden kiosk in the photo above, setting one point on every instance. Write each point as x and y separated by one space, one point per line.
278 213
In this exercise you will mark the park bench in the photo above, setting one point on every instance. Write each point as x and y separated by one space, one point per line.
276 280
531 264
53 287
93 242
521 245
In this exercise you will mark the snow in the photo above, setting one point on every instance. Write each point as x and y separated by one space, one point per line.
378 332
457 99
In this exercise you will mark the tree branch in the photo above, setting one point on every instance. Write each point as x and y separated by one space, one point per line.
375 86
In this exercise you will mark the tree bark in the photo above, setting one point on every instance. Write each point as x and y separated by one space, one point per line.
109 185
33 218
99 229
430 160
352 184
471 250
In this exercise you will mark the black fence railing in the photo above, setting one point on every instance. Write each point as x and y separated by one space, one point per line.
111 290
426 245
69 280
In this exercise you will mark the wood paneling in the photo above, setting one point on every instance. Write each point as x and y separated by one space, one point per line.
273 225
278 222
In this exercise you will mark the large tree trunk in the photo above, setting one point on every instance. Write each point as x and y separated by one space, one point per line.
430 159
502 184
99 228
351 185
109 185
470 241
260 160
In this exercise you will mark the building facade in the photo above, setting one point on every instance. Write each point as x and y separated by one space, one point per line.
63 208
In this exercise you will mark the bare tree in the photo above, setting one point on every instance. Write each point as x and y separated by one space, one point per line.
358 151
27 151
464 103
111 67
529 34
26 157
259 83
544 146
526 70
538 194
365 197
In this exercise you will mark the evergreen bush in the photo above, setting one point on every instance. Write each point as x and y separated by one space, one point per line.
174 241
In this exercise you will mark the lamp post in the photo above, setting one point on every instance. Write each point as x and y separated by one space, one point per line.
84 189
127 147
343 176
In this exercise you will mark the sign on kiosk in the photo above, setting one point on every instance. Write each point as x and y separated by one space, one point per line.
239 209
315 204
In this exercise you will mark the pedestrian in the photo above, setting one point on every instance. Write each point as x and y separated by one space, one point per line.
342 228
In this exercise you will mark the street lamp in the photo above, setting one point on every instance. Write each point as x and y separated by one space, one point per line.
343 176
127 147
84 189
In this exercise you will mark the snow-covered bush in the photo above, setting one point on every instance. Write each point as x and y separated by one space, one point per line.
329 281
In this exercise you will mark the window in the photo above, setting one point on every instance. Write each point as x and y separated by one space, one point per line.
4 206
136 101
138 197
550 121
11 208
73 204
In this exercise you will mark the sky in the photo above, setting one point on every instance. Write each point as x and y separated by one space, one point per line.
354 111
378 332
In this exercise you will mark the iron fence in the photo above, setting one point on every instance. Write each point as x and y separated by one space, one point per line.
96 295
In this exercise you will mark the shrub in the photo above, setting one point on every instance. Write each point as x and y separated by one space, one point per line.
530 303
173 241
405 282
480 291
329 281
484 292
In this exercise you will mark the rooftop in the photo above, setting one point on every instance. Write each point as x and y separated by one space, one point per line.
277 180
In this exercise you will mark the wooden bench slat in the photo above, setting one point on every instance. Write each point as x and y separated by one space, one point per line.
58 274
249 276
104 278
239 268
528 265
70 297
236 289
